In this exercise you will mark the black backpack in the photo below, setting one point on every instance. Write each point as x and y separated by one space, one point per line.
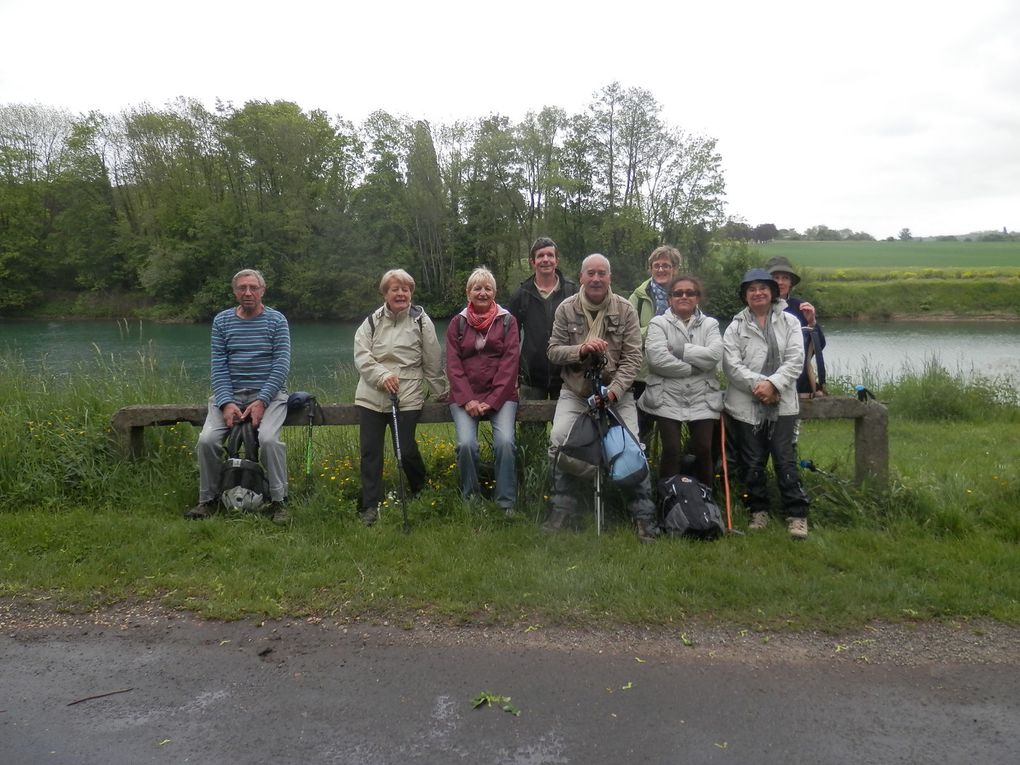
243 482
580 454
688 509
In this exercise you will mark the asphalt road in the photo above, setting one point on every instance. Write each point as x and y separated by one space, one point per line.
194 691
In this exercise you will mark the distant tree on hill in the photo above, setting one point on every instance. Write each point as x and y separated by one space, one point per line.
737 230
765 232
821 234
905 235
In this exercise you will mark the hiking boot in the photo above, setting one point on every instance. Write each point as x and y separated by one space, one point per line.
202 510
369 515
647 531
759 521
797 527
278 512
558 520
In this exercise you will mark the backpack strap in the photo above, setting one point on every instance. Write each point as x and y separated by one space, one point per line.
251 441
234 440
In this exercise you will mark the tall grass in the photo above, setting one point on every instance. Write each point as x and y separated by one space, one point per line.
85 527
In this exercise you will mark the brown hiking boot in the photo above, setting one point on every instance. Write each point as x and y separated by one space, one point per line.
797 527
559 519
278 512
759 521
202 510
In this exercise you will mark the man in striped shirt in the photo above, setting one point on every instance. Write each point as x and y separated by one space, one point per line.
250 363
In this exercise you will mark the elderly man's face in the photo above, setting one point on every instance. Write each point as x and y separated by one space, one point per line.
249 293
595 279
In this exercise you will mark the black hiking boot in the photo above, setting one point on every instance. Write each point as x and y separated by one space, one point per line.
647 531
202 510
369 515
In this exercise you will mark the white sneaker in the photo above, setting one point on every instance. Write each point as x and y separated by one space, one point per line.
797 527
759 521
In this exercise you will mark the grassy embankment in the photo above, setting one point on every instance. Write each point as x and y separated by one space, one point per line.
80 527
888 280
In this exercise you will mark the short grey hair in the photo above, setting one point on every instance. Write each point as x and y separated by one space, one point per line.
584 263
400 275
248 272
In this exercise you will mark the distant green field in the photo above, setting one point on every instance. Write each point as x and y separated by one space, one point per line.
897 254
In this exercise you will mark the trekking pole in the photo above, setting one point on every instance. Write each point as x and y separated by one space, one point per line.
726 476
597 405
395 409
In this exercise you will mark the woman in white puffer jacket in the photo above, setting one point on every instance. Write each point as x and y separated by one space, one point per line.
683 348
763 355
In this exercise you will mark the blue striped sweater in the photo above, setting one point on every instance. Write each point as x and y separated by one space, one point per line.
249 353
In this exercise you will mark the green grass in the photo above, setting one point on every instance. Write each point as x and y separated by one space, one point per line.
882 280
82 528
896 255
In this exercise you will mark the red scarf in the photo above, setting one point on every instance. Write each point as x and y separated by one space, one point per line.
481 322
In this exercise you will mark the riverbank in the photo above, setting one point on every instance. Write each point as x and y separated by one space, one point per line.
845 294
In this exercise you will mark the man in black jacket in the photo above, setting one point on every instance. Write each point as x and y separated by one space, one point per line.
534 305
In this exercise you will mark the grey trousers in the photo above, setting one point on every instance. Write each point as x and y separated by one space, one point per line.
566 488
272 451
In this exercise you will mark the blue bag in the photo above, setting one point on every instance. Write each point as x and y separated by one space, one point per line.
625 461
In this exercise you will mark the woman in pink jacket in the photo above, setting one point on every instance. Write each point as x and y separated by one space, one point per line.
482 357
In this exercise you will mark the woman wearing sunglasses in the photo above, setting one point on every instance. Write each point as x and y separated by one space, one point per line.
683 348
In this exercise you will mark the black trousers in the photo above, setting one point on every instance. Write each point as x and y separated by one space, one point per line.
373 445
701 433
754 450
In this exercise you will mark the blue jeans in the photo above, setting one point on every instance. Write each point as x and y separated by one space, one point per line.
503 422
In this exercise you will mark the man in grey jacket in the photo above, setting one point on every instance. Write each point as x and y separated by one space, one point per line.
595 323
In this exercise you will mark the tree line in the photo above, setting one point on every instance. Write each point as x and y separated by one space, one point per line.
165 204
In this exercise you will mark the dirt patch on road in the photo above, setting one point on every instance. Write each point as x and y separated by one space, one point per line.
913 643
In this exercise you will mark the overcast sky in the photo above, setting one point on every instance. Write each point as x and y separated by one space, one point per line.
873 116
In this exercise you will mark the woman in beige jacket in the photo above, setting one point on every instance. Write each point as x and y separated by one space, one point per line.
397 353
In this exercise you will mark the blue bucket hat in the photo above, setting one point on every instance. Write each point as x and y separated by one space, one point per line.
758 275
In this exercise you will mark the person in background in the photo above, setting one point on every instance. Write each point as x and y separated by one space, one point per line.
397 353
595 322
482 359
650 300
534 305
250 362
812 378
683 349
763 354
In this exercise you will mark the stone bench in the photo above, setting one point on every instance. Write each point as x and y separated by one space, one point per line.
871 425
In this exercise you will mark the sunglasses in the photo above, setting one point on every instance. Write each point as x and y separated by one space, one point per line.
685 293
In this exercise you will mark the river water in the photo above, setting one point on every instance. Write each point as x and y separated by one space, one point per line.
856 350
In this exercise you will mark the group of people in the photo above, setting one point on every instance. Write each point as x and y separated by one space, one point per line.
658 355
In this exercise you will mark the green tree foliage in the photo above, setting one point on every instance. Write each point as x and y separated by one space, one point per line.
169 202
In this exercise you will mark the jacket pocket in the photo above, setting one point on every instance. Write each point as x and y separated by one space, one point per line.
652 397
